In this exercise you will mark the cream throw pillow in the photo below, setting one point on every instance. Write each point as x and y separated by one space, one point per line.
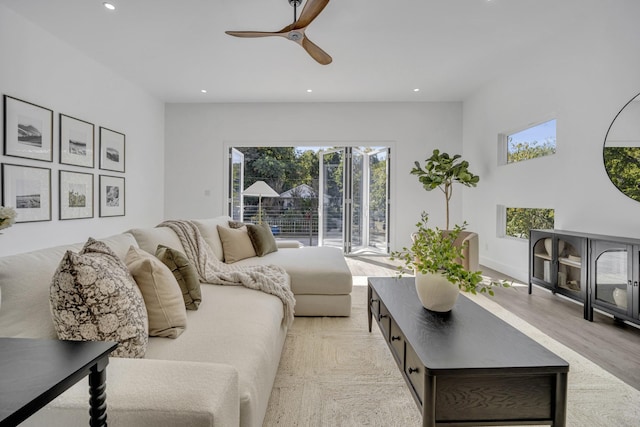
236 244
94 298
161 293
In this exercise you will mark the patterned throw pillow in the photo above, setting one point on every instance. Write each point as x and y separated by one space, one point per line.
184 272
94 298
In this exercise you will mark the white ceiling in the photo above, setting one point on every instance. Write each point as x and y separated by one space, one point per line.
381 49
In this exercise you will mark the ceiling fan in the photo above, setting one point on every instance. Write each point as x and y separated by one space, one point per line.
295 31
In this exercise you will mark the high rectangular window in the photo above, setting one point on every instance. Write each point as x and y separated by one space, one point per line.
535 141
518 221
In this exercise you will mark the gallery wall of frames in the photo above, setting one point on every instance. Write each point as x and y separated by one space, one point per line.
29 135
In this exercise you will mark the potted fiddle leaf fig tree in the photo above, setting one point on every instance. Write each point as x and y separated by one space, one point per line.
442 171
435 260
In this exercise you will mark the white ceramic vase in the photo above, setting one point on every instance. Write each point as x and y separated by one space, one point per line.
435 292
620 297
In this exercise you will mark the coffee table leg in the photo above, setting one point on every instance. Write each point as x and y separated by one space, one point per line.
98 394
560 413
429 404
369 305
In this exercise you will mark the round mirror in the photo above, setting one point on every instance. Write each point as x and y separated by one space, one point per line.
622 149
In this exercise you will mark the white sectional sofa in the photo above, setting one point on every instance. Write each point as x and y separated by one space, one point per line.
219 371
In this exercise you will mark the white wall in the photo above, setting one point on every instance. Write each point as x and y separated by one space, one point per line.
583 81
196 135
39 68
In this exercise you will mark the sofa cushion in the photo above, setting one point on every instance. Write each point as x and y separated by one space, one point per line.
243 328
262 238
313 269
153 393
25 280
94 298
209 230
161 293
185 273
149 238
236 244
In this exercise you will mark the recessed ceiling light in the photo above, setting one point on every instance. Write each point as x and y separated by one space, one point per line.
309 90
203 90
416 90
109 6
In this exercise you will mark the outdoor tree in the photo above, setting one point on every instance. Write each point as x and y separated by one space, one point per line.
623 166
525 150
521 220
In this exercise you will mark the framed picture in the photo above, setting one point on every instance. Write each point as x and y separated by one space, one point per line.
112 152
76 195
28 190
112 195
77 142
28 130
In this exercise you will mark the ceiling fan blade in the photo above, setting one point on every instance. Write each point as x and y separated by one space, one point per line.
316 53
311 10
252 34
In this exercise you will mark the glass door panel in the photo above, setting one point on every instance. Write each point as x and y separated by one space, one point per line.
569 266
378 199
331 199
611 278
236 182
359 230
542 259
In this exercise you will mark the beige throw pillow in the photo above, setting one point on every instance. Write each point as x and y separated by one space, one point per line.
94 298
236 244
161 293
184 272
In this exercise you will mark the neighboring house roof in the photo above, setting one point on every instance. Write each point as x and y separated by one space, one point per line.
303 190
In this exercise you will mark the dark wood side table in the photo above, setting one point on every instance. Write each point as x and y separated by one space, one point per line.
468 367
33 372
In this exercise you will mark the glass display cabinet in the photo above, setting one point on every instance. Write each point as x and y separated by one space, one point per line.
601 272
614 283
558 262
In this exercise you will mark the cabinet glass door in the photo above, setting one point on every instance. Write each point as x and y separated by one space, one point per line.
569 264
542 259
611 276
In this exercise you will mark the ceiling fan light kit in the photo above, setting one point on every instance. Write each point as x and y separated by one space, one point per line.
296 31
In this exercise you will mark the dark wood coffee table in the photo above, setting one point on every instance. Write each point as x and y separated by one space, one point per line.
467 367
33 372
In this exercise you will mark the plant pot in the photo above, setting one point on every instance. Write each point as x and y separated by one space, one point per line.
435 292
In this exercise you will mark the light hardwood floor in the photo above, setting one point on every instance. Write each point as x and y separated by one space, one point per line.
611 345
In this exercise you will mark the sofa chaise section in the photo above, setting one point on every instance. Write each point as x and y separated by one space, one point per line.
320 277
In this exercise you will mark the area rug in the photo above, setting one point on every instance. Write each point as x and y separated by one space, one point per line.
333 372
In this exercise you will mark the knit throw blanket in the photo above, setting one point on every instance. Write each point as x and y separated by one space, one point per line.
270 279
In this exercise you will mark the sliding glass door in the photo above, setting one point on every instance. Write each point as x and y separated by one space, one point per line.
354 205
351 193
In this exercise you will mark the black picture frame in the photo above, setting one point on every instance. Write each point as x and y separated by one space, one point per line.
28 190
112 150
112 196
75 195
77 142
28 130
